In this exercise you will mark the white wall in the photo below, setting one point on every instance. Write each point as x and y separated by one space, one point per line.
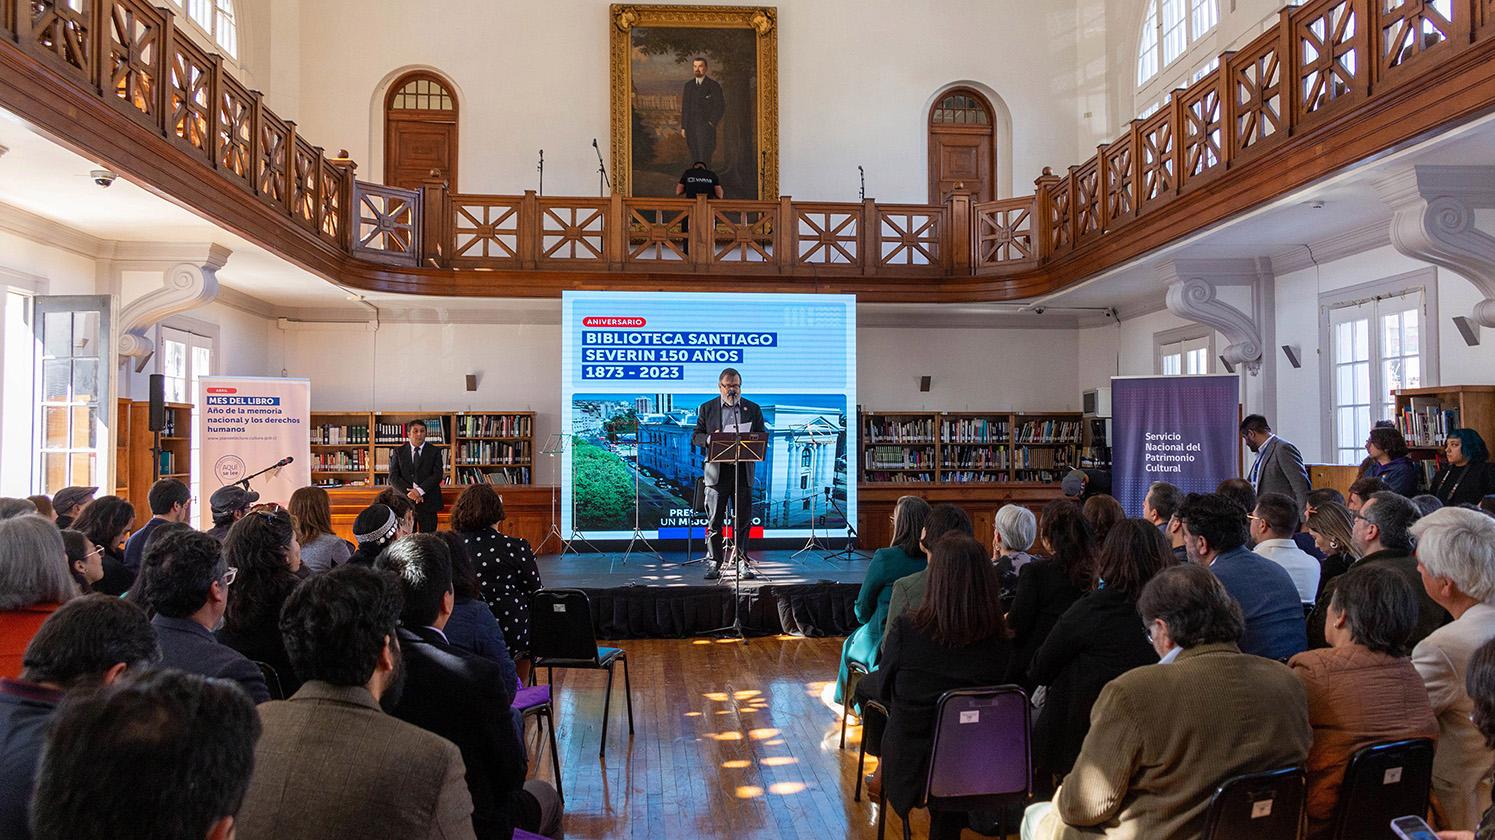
856 79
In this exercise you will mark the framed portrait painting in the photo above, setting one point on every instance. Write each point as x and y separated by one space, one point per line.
695 84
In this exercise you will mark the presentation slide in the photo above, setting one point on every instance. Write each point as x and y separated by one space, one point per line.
637 366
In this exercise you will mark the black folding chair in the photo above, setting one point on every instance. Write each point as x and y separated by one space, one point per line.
1258 806
870 707
1382 782
982 756
534 702
272 680
560 635
854 673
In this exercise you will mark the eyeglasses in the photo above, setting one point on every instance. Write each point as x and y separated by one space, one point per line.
1254 516
97 550
229 575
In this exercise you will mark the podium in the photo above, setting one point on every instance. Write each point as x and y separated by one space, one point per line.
736 448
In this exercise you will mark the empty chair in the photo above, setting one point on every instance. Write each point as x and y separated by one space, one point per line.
982 753
561 637
1258 806
1382 782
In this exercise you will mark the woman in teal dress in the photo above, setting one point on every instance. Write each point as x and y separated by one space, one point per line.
902 558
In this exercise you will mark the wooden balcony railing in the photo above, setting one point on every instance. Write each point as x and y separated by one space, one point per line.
1324 62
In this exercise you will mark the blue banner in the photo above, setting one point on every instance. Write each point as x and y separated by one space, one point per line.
1180 429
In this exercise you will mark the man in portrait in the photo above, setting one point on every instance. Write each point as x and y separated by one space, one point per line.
701 109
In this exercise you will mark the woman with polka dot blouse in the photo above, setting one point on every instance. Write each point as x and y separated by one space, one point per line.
507 574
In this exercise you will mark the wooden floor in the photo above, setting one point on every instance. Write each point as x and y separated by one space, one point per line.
732 741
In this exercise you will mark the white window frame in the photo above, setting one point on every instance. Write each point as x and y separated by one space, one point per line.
1158 72
1373 297
222 16
197 337
1179 343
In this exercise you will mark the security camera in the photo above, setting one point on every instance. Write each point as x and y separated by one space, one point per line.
1039 310
102 177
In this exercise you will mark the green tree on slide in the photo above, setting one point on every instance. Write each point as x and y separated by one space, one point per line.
604 487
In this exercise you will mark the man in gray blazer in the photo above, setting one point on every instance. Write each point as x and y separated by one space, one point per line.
331 763
1278 467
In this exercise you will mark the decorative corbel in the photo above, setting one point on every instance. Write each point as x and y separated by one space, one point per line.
190 280
1193 297
1433 220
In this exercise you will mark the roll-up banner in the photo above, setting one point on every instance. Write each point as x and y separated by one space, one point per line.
248 424
1180 429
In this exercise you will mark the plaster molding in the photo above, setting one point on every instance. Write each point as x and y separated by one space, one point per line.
1193 295
1433 220
45 231
1366 237
186 285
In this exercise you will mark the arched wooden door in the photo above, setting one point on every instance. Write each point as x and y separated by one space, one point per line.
962 146
420 131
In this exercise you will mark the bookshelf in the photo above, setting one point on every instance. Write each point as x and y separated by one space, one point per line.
911 447
352 448
133 468
122 486
1424 416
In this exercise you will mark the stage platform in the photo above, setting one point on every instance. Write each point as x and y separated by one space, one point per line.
646 597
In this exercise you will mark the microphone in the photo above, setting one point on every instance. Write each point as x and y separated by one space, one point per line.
283 461
594 142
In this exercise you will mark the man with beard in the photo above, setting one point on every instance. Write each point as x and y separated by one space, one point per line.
331 763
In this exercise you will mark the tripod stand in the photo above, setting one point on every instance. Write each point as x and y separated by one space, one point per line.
638 534
736 449
810 434
554 445
852 537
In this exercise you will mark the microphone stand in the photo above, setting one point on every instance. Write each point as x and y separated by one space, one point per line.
603 182
862 176
244 482
541 167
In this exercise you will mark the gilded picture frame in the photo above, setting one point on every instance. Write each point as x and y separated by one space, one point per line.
660 127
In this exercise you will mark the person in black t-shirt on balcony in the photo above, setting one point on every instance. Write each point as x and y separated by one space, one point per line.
697 180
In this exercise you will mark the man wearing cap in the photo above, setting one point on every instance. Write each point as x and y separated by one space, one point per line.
229 505
68 501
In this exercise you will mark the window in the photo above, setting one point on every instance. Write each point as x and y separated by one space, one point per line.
215 18
1171 29
1147 52
1376 343
185 358
1184 352
72 368
1204 69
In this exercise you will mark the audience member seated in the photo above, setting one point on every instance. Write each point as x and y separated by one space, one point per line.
1389 461
472 626
1427 503
1095 641
11 507
170 501
1215 535
954 639
375 527
88 642
1468 476
321 550
1305 541
34 582
1272 526
1331 525
1162 737
1480 685
164 755
1456 559
1363 489
331 763
84 560
107 521
1382 534
1101 513
44 507
901 559
1158 506
1049 585
69 501
185 582
1014 528
262 547
401 505
462 697
1321 496
1362 690
908 591
507 573
229 504
1240 491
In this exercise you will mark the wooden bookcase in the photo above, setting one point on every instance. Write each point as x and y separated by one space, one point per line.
925 447
352 448
134 468
1425 415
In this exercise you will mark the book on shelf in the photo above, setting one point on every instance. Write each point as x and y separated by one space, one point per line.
484 452
1048 431
973 430
329 434
1040 458
975 476
900 477
386 432
991 458
507 475
168 427
887 430
494 425
168 462
342 460
1425 422
899 457
1040 476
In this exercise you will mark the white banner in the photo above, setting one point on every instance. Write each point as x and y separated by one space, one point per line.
250 423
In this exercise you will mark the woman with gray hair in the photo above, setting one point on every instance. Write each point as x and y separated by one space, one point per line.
1014 529
904 557
34 582
1456 558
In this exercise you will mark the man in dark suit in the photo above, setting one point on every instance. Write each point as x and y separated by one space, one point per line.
725 483
462 697
415 469
1278 467
185 579
701 109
